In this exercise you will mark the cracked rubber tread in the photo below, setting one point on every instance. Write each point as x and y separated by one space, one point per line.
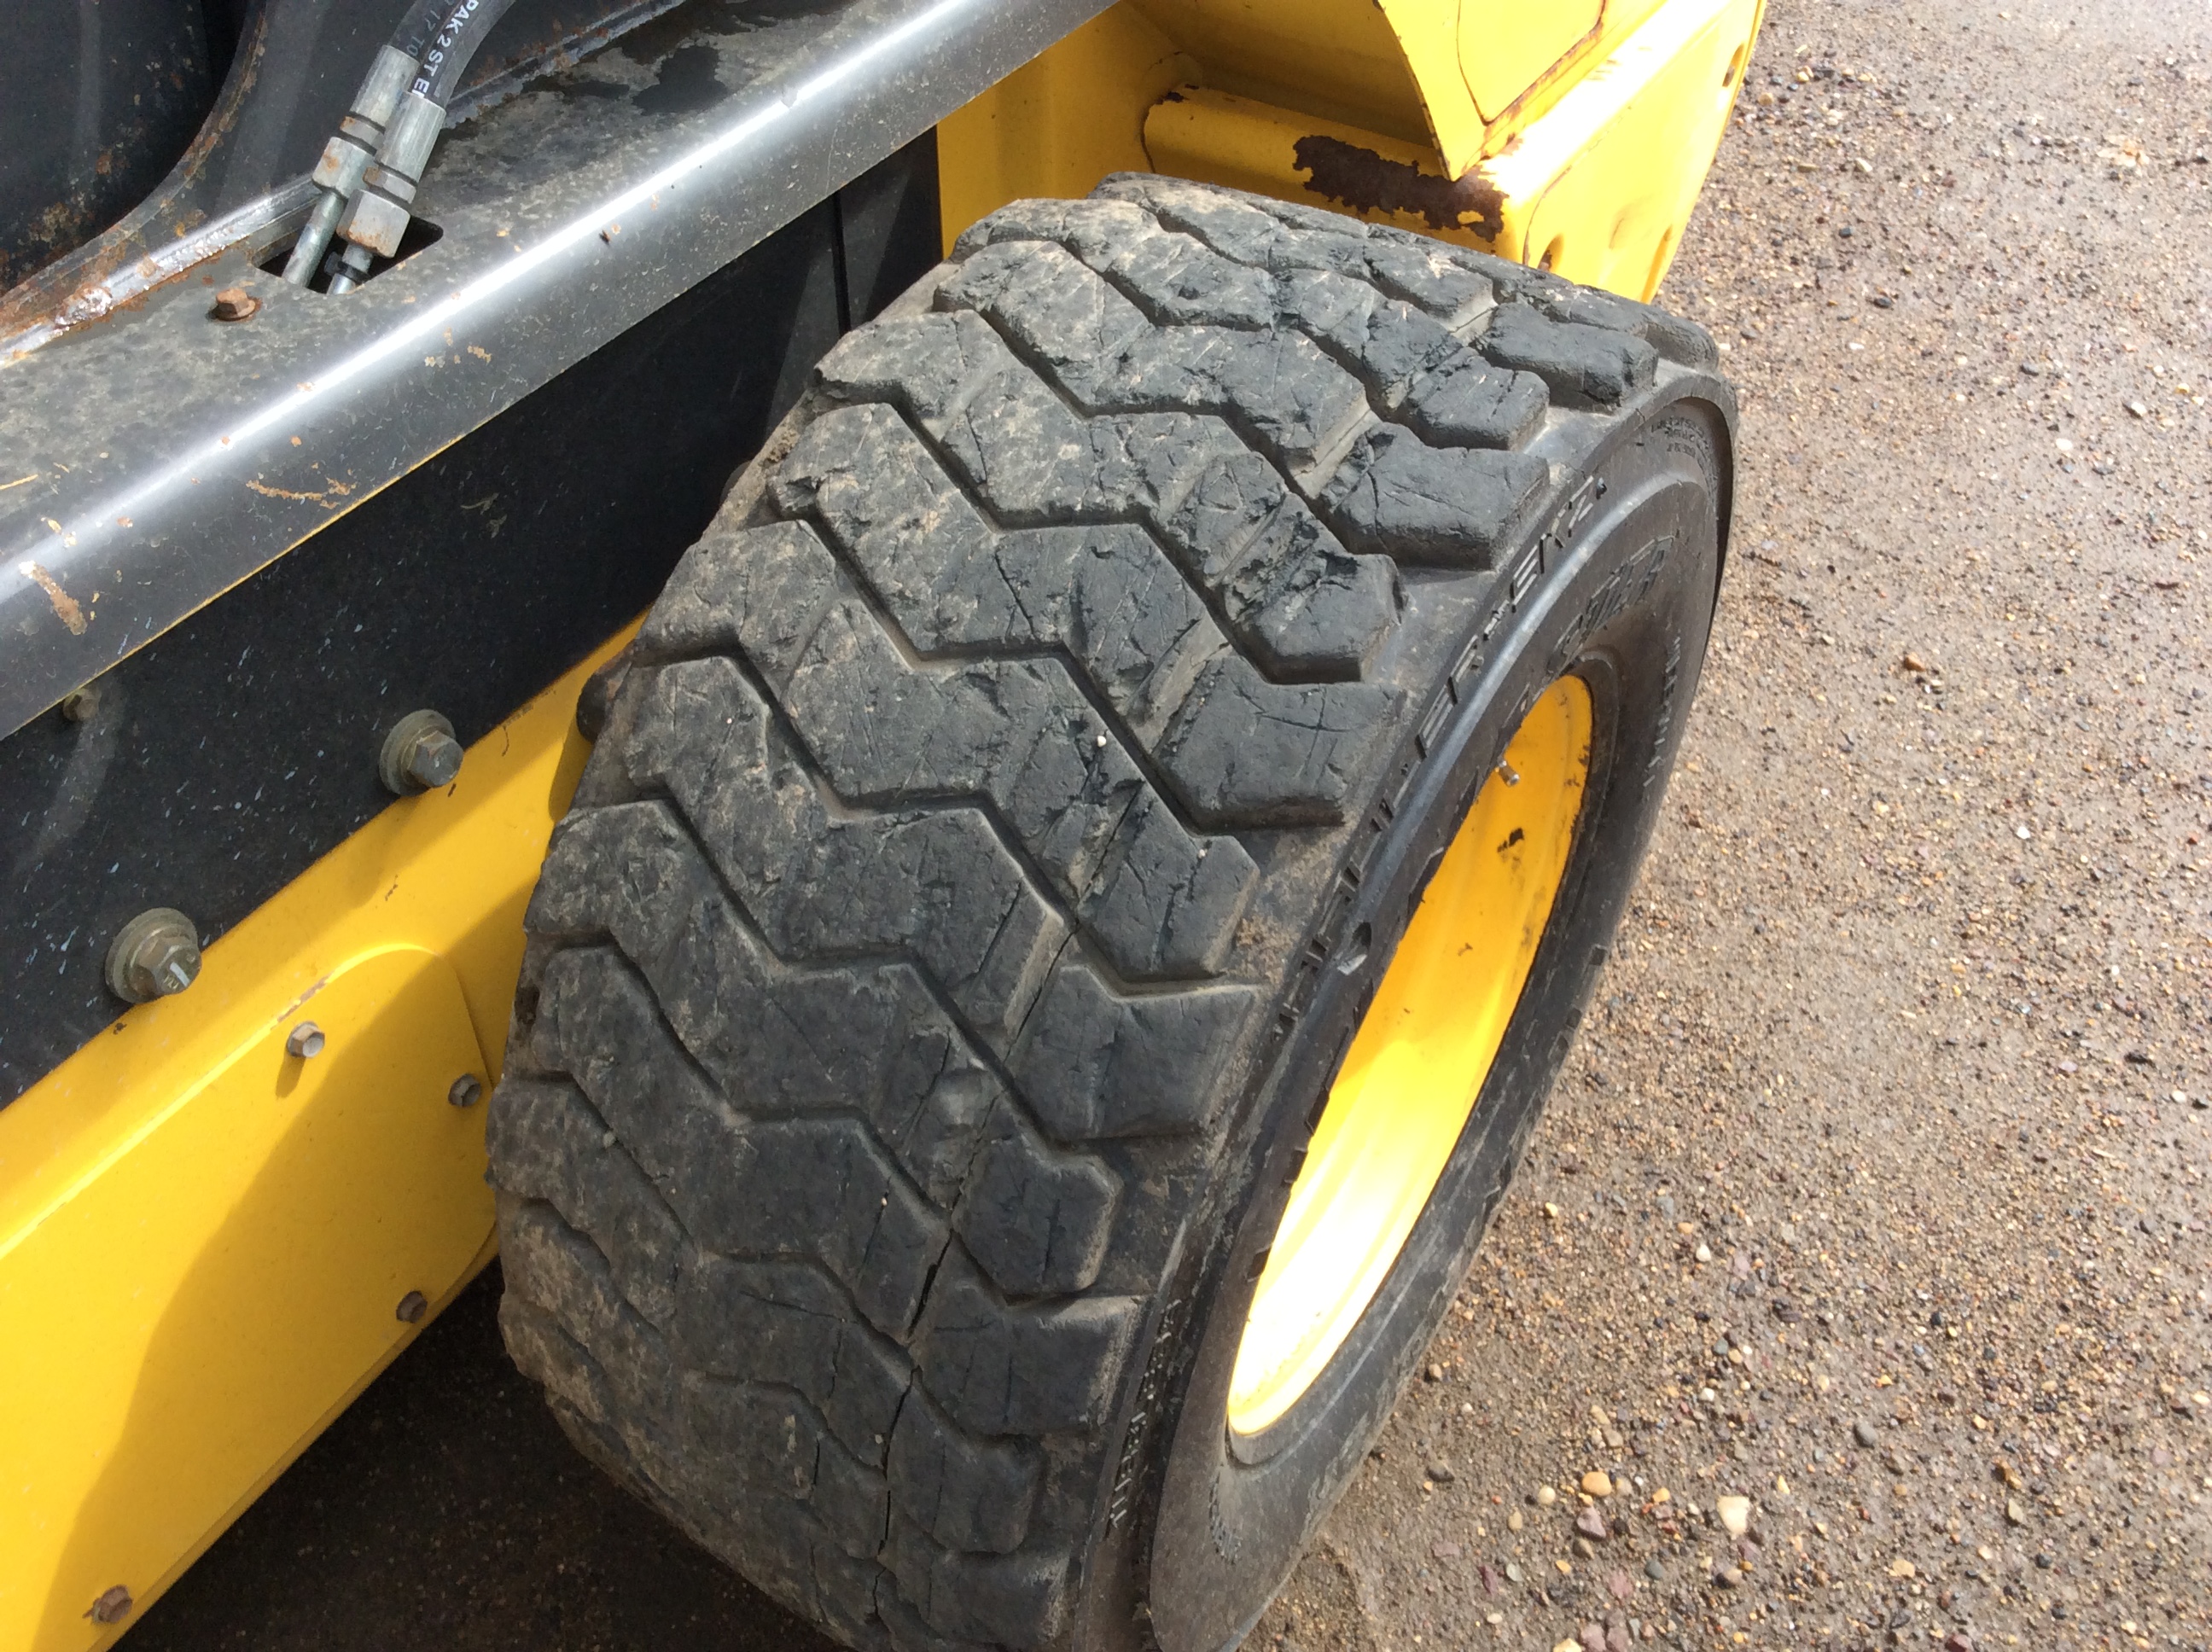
892 973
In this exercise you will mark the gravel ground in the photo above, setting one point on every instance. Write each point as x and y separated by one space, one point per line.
1856 1291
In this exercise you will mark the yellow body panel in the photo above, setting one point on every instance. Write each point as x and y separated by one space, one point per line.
205 1241
1589 164
1408 1083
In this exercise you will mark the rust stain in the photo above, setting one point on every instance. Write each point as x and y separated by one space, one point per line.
1368 182
65 606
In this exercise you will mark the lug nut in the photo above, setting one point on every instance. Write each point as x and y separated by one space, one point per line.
419 755
466 1092
235 304
305 1040
412 1307
155 954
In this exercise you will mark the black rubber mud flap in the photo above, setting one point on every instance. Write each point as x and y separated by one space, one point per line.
1005 816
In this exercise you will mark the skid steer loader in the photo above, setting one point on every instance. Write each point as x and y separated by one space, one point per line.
939 705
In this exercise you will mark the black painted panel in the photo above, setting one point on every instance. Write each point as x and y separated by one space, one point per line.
229 753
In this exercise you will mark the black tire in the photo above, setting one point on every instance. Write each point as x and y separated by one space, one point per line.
1003 819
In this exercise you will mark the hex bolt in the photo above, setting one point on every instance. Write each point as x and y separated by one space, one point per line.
112 1607
155 954
466 1091
419 755
305 1040
81 705
412 1307
235 304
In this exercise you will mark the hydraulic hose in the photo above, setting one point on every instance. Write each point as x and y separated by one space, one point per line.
375 217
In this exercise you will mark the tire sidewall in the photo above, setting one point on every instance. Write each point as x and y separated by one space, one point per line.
1202 1531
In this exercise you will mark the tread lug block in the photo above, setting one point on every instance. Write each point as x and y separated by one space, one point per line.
1167 904
763 589
1585 366
1021 1369
1035 1218
1057 313
1247 228
1178 278
1095 1064
1244 751
1017 1600
753 1444
927 365
1443 507
1424 272
784 1325
547 1145
1465 402
967 1494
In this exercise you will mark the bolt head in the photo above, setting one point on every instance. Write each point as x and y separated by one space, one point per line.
434 760
305 1040
466 1092
235 304
112 1607
81 705
412 1307
155 954
420 754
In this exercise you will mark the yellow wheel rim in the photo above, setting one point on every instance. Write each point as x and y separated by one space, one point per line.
1418 1061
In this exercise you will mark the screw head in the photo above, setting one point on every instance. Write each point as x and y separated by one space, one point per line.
305 1040
466 1091
155 954
412 1307
420 754
235 304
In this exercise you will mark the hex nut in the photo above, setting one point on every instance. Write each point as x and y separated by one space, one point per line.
420 754
305 1040
412 1307
235 304
466 1090
112 1607
81 705
155 954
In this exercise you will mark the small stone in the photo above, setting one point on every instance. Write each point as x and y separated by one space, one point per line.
1901 1569
1592 1635
1734 1513
1446 1551
1581 1548
1704 1252
1617 1584
1654 1571
1514 1522
1441 1473
1434 1374
1896 1465
1569 1645
1727 1577
1597 1482
1913 662
1591 1524
1864 1433
2015 1513
1513 1572
2139 410
1546 1497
